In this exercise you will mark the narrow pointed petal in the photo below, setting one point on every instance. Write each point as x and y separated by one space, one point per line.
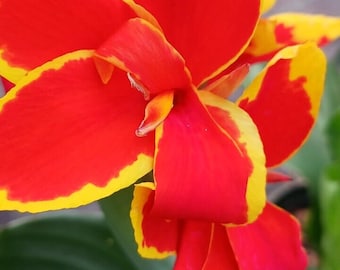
67 139
141 49
7 85
284 100
155 112
228 83
273 241
215 170
104 68
287 29
205 33
34 32
156 237
275 176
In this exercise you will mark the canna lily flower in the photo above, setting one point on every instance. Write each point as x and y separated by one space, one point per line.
283 101
72 128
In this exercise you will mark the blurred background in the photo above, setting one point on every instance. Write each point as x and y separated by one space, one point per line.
303 197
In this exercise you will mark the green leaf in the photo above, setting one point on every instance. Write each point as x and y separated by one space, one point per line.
331 98
117 211
330 217
333 132
66 240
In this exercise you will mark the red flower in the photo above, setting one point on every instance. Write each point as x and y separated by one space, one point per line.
292 79
68 134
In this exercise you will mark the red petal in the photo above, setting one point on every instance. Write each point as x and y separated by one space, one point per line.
273 241
284 100
194 245
33 32
67 139
206 171
156 237
220 255
208 35
141 49
205 246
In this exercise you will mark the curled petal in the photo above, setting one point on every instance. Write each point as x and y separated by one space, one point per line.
34 32
209 162
273 241
205 33
67 139
141 49
284 99
156 237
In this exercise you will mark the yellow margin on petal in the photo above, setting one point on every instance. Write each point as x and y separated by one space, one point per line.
255 194
55 64
140 196
89 193
12 74
86 194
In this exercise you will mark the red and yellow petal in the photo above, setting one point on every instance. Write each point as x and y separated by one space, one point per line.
286 29
205 33
284 99
273 241
34 32
67 139
141 49
156 237
209 162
